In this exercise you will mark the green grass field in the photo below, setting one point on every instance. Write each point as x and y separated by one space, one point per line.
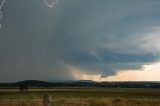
82 97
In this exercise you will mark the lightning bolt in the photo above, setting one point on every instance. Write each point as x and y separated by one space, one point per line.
1 15
50 3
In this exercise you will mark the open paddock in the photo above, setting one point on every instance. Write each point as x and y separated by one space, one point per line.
82 96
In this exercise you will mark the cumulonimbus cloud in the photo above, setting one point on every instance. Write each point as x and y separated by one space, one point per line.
102 38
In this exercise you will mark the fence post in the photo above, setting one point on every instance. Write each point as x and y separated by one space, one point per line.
47 100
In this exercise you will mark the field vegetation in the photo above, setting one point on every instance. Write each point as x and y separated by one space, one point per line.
82 96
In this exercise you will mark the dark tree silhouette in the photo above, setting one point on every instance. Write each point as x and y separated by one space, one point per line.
23 88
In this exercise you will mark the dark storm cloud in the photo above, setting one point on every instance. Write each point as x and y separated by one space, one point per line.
108 62
37 42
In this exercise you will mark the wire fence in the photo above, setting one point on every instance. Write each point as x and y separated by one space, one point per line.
46 101
39 103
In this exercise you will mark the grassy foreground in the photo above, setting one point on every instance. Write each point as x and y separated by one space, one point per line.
82 97
90 102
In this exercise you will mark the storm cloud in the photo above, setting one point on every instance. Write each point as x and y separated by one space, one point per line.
99 36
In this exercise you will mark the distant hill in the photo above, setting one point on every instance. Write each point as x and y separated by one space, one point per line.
81 83
33 83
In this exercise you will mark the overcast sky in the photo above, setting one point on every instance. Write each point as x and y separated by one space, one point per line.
86 37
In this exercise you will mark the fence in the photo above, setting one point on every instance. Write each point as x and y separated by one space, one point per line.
47 101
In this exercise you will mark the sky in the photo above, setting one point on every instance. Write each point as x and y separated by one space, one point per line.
100 40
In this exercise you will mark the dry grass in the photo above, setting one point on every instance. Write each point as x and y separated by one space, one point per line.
82 97
106 102
89 102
